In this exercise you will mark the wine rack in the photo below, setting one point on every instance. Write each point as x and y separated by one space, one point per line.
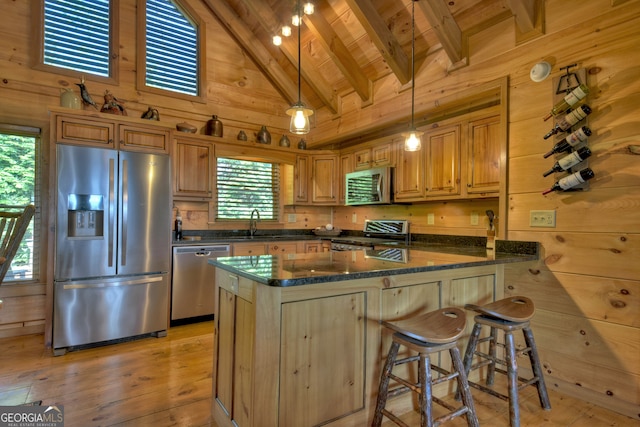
562 85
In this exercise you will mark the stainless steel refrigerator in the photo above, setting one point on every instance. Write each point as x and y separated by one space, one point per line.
113 240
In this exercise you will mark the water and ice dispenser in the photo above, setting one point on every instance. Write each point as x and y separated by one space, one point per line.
85 216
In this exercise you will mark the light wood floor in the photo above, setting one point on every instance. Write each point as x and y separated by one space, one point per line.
167 382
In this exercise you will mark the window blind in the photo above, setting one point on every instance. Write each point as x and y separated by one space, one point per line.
76 35
172 49
246 185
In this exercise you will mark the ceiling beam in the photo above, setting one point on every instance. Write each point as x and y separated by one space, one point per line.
382 37
252 45
315 80
445 27
524 12
340 55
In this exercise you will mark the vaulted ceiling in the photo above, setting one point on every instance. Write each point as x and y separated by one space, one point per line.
349 44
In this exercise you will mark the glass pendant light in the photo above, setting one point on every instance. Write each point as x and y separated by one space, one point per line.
299 112
412 138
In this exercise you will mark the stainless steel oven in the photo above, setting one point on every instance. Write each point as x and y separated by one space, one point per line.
376 232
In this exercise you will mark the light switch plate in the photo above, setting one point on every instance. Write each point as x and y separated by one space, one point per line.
431 219
474 218
291 217
354 218
542 219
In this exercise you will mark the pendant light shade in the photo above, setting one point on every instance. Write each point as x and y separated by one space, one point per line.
299 118
299 112
412 140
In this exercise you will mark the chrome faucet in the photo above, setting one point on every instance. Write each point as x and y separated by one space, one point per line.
253 223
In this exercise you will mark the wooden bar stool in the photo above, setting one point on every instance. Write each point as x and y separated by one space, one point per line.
509 315
426 334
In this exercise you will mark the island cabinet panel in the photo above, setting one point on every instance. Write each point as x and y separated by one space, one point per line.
311 354
322 373
235 323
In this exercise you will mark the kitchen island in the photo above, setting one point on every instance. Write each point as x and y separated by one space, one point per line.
298 338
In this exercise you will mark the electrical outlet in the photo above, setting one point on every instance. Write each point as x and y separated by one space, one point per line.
291 217
354 218
474 218
431 219
542 218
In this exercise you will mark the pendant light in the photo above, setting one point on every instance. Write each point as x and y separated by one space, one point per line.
299 112
412 138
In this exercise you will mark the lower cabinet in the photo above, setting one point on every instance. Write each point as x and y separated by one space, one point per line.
311 355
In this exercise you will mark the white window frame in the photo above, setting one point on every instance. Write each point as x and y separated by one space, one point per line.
114 46
141 65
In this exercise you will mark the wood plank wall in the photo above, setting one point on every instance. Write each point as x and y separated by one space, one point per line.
587 283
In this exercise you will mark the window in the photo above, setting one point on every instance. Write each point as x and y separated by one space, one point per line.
170 57
78 36
19 151
247 185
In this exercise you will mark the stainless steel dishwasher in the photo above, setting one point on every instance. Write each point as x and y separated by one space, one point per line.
192 284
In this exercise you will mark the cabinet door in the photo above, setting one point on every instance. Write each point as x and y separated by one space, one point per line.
483 163
362 159
409 178
333 384
73 130
302 178
346 166
442 156
312 247
148 139
193 168
249 248
382 155
235 324
283 248
324 181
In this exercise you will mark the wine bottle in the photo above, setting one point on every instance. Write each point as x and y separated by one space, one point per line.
569 120
569 160
568 101
570 141
571 181
178 225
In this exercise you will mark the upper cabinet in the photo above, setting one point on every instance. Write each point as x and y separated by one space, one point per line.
324 179
459 159
317 179
118 133
483 165
193 167
442 161
301 181
379 153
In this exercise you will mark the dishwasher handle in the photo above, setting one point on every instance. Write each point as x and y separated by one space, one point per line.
204 251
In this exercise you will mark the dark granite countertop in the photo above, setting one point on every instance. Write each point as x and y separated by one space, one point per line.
305 269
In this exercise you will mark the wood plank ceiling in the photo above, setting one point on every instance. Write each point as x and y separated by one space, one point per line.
349 44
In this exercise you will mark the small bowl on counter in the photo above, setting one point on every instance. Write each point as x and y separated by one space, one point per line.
323 232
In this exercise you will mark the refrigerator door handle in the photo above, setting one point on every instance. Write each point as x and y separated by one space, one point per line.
112 211
107 283
125 210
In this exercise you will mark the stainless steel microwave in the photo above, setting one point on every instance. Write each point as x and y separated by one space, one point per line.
369 187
